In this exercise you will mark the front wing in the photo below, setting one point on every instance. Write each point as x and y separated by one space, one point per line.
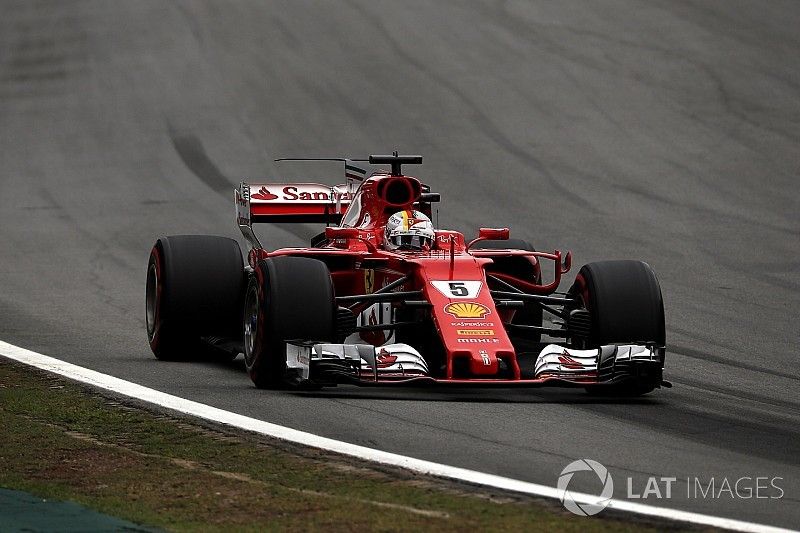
401 364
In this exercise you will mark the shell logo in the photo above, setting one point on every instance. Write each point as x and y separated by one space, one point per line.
467 310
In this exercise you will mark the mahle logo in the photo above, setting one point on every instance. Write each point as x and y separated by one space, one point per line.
585 508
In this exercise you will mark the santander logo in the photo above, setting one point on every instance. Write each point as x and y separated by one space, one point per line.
568 362
264 194
385 359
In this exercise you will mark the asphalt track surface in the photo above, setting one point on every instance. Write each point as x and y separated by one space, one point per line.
662 131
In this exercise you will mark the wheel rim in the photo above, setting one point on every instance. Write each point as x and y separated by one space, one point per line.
250 323
151 300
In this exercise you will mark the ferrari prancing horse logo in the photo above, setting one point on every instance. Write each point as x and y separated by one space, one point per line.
369 280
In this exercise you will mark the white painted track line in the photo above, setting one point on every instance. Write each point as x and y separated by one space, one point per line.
188 407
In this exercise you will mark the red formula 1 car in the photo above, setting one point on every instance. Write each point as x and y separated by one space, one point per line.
384 298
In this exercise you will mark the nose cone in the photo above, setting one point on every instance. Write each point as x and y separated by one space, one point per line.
464 312
483 363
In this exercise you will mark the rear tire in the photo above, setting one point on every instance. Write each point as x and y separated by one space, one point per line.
624 301
195 285
287 298
521 267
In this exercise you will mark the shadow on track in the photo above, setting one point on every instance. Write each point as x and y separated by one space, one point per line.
469 394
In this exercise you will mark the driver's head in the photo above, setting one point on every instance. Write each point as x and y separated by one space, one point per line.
409 230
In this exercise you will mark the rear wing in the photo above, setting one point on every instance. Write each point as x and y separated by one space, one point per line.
290 202
295 202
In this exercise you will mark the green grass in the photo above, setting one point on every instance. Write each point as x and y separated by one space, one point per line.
61 440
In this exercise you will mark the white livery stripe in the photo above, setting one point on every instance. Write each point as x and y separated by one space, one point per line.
188 407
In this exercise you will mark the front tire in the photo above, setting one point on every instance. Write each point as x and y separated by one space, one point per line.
625 306
287 298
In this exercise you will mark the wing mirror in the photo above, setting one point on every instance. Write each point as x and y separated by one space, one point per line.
333 233
494 234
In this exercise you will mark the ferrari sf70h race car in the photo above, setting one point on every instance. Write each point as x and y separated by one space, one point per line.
380 297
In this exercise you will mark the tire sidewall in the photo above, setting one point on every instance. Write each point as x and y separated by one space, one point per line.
154 262
264 366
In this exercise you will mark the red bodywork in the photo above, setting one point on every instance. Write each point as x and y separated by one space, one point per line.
469 328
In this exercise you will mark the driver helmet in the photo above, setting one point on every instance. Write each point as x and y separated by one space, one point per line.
409 230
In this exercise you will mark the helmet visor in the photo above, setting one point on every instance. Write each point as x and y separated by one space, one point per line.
411 242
